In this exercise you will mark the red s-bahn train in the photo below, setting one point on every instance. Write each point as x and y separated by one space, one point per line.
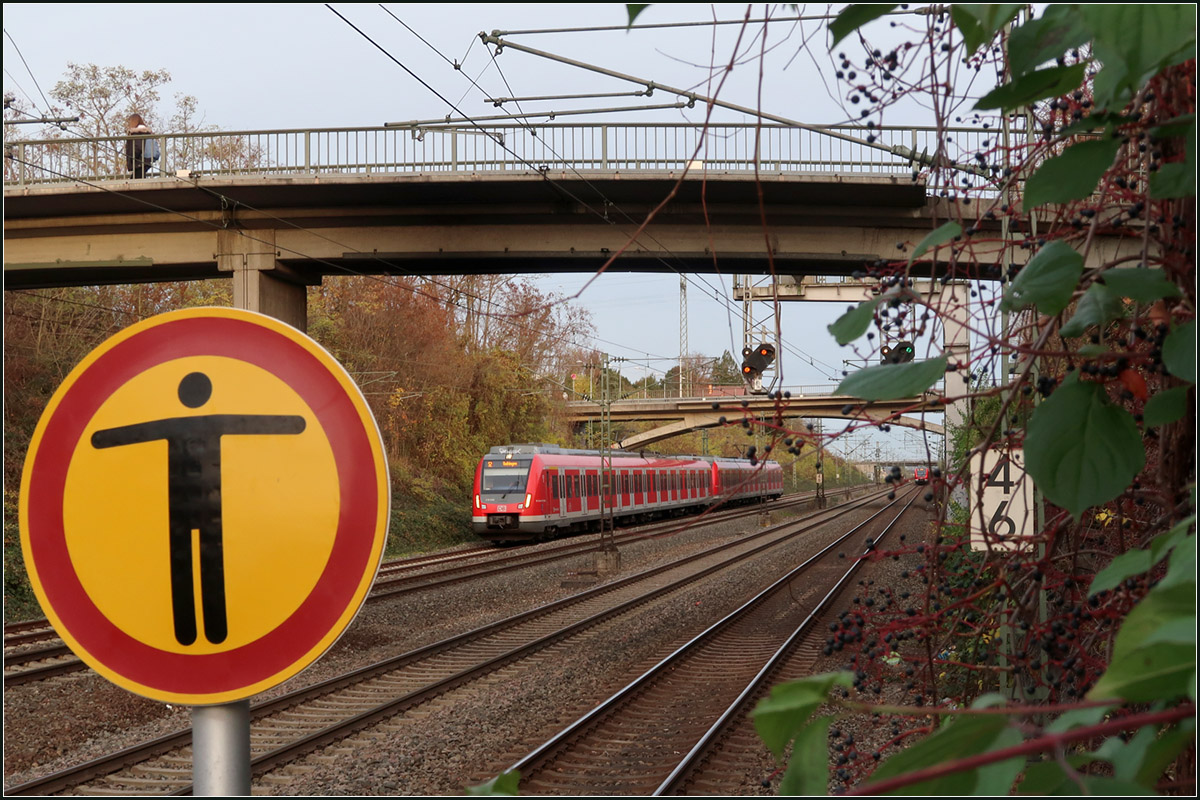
528 491
921 475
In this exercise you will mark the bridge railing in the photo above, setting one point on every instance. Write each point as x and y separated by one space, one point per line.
422 149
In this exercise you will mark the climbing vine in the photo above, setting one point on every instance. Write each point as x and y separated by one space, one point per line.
1096 608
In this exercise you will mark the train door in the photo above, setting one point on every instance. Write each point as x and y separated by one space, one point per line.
575 492
557 503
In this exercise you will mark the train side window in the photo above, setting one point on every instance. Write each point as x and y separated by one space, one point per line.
554 486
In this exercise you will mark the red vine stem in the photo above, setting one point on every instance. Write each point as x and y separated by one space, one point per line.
1043 743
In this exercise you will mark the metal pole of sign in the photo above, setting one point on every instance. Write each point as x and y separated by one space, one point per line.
221 750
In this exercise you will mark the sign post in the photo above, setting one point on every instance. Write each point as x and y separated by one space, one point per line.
204 506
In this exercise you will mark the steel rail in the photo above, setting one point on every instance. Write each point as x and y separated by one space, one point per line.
101 767
541 754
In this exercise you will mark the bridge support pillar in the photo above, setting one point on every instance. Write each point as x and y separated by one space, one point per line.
956 344
260 282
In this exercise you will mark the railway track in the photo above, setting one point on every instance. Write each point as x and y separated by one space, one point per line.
24 664
695 701
289 727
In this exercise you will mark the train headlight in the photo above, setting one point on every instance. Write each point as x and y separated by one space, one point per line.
477 502
528 500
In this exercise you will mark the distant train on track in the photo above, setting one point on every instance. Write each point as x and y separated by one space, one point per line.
921 475
529 491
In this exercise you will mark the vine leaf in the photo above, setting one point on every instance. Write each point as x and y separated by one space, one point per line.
1072 175
854 17
1166 407
506 784
1164 748
979 23
634 10
1177 179
1134 42
854 322
959 738
1048 281
1080 449
1045 38
1140 284
1098 306
1179 352
780 715
1136 562
1035 86
1146 670
891 381
808 769
943 234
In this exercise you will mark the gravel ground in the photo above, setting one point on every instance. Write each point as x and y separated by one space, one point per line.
459 739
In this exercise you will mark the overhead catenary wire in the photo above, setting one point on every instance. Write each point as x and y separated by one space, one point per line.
608 203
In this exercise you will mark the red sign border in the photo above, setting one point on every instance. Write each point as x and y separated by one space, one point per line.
358 455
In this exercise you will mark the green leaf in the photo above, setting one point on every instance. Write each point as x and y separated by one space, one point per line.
808 771
1163 750
959 738
1140 284
1177 179
1048 281
505 784
780 715
1179 352
1098 306
1047 778
1111 787
890 381
943 234
1142 671
1166 542
1182 571
1173 180
634 10
1027 89
1164 671
1126 565
1134 42
1080 717
1080 449
1072 175
1167 406
854 17
854 323
979 23
1126 756
1093 350
1178 631
1046 38
1101 119
1181 126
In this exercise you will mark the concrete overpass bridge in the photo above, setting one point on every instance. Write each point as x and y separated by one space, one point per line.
277 211
683 414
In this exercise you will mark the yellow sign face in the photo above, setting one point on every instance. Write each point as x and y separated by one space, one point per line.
204 505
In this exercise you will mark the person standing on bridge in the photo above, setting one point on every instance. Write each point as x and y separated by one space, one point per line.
136 157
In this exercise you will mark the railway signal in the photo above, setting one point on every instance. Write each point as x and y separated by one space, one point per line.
901 353
755 360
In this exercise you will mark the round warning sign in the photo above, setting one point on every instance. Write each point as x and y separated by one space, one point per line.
204 505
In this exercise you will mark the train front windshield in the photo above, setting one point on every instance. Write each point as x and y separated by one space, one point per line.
502 478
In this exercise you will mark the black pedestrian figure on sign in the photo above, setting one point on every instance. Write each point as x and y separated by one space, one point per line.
194 496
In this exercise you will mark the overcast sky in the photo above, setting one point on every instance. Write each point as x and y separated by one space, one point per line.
257 66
